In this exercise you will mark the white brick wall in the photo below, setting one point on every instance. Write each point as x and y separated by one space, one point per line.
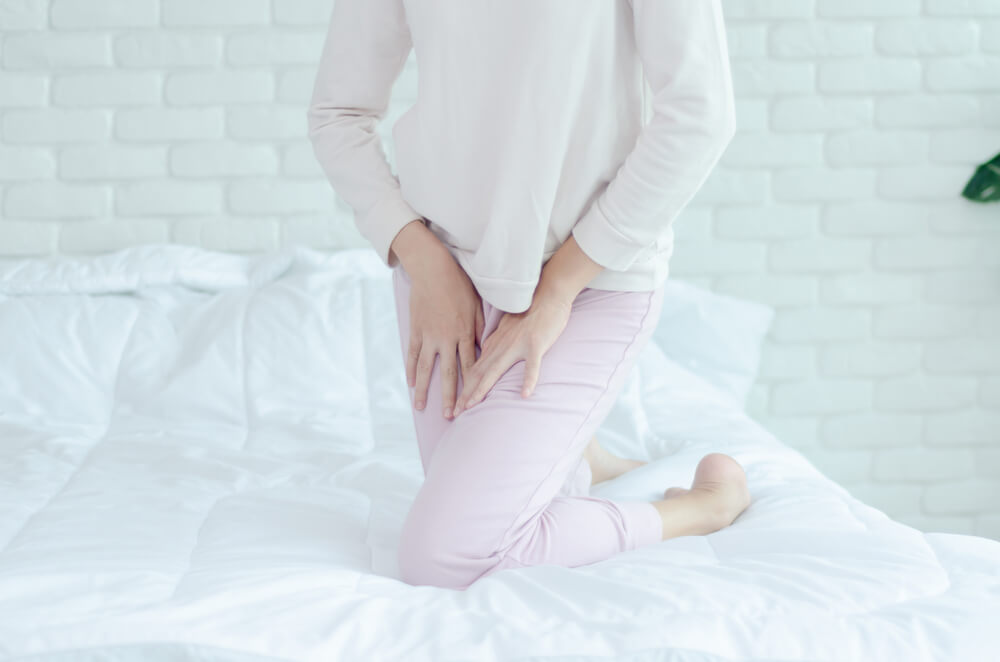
127 121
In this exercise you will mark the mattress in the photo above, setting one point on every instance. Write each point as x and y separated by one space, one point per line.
208 456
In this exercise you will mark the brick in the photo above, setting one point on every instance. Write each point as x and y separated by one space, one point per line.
53 51
301 12
220 159
964 74
165 197
772 289
273 47
26 238
756 78
924 37
987 462
716 256
925 111
962 356
746 40
295 87
923 464
961 286
24 14
768 8
872 218
110 161
867 9
922 252
168 124
248 236
692 224
736 222
103 236
821 396
815 113
299 160
989 392
215 13
22 90
974 8
787 361
26 163
922 182
167 49
751 115
319 231
987 526
922 393
107 89
969 426
817 255
220 87
990 39
269 196
960 496
923 321
870 75
964 146
56 200
73 14
869 147
869 358
811 184
56 126
871 430
819 323
728 186
870 288
805 39
755 150
267 123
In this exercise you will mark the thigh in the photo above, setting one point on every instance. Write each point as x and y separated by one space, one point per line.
498 465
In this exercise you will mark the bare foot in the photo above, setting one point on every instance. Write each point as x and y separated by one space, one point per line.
605 465
715 499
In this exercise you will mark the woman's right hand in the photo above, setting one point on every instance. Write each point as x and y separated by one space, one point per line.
446 315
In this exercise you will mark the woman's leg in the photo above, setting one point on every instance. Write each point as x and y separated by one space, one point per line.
429 422
493 495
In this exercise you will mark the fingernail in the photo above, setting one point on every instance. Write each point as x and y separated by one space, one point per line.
420 404
447 412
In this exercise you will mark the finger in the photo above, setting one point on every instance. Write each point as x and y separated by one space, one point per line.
467 357
424 366
491 372
480 324
532 367
449 379
412 354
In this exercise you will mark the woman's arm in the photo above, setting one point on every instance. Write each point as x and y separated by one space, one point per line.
366 46
682 46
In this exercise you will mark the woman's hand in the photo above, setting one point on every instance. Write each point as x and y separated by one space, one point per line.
446 315
518 336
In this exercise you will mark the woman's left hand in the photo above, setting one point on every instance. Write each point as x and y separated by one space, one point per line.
519 336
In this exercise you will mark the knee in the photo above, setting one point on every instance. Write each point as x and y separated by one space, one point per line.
428 559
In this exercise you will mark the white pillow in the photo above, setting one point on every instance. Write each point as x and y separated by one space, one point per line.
715 336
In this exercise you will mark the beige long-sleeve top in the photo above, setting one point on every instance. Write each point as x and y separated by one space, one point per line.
534 119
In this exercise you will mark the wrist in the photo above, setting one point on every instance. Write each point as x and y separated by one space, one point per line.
412 244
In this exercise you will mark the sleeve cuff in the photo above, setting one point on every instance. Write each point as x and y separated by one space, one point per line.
384 221
602 242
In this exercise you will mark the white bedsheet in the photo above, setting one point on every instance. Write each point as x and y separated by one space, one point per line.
209 457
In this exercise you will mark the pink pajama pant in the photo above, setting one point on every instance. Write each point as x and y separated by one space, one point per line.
505 482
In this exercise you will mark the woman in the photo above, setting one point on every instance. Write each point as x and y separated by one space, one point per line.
529 232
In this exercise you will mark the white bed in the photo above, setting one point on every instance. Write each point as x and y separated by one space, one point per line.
209 457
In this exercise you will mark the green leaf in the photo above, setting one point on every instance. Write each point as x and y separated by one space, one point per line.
985 183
